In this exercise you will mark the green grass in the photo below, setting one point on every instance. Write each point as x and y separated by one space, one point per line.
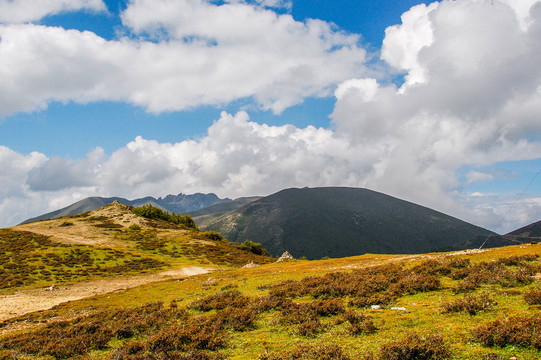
31 260
34 260
227 314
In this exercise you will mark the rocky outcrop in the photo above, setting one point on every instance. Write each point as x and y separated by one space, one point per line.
285 256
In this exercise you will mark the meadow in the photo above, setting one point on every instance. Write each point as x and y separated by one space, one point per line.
470 305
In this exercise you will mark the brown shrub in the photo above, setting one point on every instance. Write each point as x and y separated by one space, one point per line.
328 307
470 304
432 267
128 348
87 333
533 297
512 278
414 283
391 280
507 272
519 330
173 355
517 260
297 313
373 299
235 319
359 323
310 327
195 335
221 300
272 302
458 263
510 292
309 352
415 347
469 284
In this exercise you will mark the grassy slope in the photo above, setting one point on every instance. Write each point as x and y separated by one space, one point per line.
101 244
270 334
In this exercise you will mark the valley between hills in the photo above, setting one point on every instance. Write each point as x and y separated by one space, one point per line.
152 286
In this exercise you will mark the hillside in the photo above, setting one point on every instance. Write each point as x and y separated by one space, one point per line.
179 204
527 233
467 305
109 243
339 222
203 216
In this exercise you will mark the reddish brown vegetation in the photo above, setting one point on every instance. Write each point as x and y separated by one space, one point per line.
470 304
519 330
415 347
309 352
533 297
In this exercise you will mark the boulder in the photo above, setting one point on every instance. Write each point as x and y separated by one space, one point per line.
285 256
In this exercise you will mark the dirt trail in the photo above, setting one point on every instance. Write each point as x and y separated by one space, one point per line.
27 301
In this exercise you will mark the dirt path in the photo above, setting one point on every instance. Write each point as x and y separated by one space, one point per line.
27 301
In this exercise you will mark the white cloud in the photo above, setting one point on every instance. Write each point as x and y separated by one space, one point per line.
505 212
477 176
477 103
60 174
20 11
522 11
471 97
402 43
14 168
278 4
365 88
239 157
210 55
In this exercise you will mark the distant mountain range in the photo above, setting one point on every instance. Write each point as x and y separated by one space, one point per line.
319 222
527 233
179 204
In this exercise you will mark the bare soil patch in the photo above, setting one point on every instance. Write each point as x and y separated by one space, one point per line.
27 301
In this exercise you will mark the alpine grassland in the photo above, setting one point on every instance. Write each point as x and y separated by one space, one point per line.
476 304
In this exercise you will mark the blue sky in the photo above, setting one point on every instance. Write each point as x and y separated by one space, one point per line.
246 97
105 124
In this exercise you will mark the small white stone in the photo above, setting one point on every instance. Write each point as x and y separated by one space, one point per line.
398 308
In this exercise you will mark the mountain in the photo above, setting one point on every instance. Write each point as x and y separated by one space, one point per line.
179 204
528 233
205 215
487 241
338 222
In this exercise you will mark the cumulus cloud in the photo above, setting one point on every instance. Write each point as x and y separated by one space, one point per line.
402 43
14 168
471 95
505 212
239 157
181 54
20 11
60 174
471 98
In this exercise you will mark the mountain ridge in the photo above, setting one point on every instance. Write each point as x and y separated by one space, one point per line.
180 203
